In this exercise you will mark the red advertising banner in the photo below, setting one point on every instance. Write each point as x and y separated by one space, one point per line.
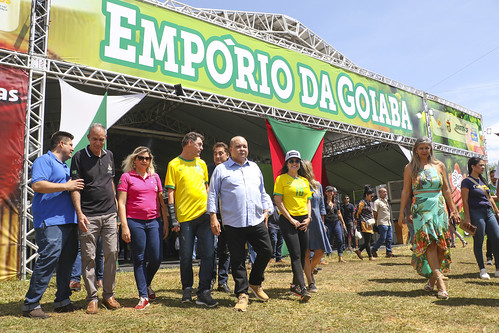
13 97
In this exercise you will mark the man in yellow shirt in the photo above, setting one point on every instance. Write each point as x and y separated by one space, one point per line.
187 185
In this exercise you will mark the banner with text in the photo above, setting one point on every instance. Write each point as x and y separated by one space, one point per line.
14 24
148 41
13 97
455 128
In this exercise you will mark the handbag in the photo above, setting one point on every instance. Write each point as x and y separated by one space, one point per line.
469 228
370 222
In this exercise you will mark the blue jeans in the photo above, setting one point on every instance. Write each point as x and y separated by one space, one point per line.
99 263
385 233
485 222
336 230
276 241
146 244
199 227
57 251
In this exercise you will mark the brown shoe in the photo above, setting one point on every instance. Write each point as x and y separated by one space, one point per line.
75 286
242 303
358 253
259 293
36 314
93 307
111 303
99 284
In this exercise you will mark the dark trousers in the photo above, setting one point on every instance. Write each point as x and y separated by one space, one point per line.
258 236
276 240
223 259
368 240
297 243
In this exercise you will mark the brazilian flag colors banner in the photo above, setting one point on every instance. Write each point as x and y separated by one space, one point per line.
144 39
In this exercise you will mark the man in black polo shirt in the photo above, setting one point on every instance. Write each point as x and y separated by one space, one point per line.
95 207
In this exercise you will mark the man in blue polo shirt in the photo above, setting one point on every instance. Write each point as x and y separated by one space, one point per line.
245 205
55 223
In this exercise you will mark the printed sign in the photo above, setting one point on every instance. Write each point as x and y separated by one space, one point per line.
143 40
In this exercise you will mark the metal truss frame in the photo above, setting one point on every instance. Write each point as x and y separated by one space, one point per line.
33 137
277 29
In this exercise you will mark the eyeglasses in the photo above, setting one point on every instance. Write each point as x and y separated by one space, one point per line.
292 161
144 158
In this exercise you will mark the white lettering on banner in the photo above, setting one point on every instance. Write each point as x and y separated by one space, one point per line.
245 69
307 76
119 33
218 48
193 52
327 94
135 40
165 45
9 95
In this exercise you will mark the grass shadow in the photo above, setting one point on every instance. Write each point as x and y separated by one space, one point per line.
483 283
393 293
394 264
398 280
465 301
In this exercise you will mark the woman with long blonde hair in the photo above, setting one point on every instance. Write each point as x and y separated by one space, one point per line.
142 212
318 242
426 178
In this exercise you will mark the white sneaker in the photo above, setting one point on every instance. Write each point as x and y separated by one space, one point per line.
488 262
484 275
496 274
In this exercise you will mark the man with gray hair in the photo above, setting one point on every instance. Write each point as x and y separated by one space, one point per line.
382 215
96 210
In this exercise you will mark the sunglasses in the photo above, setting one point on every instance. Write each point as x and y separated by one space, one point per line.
292 160
144 158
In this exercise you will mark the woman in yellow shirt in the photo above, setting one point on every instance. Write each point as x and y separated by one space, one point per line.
292 196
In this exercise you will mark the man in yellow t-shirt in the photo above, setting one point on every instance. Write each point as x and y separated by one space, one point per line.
187 185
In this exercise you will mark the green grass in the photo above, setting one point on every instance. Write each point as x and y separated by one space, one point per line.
359 296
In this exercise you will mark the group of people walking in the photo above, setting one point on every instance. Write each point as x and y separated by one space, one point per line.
80 203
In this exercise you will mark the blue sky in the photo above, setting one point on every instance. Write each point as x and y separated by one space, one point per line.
446 48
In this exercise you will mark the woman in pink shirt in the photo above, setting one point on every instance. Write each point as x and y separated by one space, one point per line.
140 208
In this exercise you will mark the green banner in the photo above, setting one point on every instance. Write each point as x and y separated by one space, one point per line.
14 24
143 40
456 167
455 128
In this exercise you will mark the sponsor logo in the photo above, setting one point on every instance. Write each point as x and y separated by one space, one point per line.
460 129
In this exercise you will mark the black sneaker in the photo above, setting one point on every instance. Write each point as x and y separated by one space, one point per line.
225 288
374 253
312 288
305 296
205 298
187 295
295 289
67 308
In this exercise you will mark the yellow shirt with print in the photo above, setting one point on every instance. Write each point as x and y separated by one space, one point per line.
188 179
295 193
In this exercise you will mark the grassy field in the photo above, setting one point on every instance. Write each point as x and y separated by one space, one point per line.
358 296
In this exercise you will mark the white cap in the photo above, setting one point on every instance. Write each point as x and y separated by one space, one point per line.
291 154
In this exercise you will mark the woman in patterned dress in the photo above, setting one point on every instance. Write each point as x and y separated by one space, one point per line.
425 177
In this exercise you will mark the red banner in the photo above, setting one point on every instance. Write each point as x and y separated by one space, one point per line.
13 97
